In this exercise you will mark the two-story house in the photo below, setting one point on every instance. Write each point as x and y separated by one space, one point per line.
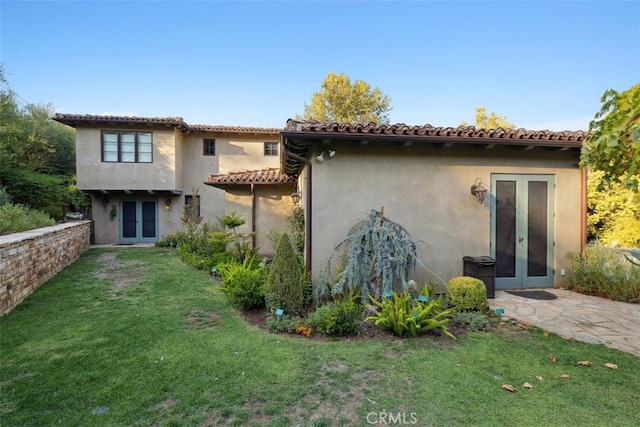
140 172
516 195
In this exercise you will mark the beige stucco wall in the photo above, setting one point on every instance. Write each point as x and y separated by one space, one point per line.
178 164
272 203
93 174
427 190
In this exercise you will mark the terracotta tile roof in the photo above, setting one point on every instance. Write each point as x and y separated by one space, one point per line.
75 119
401 129
72 119
263 176
234 129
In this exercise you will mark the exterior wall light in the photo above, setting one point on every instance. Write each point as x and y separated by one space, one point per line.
105 201
479 189
320 157
167 204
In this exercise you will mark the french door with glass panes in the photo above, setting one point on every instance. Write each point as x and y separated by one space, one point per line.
522 220
138 221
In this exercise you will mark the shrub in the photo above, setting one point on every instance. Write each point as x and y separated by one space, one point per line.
243 283
285 287
17 218
605 272
470 320
284 323
467 294
406 317
338 319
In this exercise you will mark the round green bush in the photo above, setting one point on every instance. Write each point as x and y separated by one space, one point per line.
467 294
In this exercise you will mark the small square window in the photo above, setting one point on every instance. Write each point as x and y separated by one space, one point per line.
209 147
270 148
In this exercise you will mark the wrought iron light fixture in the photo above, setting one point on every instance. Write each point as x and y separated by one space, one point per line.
295 196
167 203
105 201
479 189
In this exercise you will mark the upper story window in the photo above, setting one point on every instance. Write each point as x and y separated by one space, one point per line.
270 148
127 147
208 147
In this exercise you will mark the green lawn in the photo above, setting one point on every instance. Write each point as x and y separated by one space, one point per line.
127 337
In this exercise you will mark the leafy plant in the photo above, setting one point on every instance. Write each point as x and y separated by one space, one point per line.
283 324
285 287
471 320
296 227
338 319
467 294
379 253
406 317
17 218
604 271
243 283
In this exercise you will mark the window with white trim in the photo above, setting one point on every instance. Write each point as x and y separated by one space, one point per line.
127 147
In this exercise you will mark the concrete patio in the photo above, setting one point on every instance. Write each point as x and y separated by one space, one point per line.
576 316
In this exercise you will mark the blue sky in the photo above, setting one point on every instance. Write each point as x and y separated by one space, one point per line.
543 64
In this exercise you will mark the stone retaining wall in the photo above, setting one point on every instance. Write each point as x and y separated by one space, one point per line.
29 259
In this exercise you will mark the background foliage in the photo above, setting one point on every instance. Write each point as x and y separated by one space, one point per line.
37 154
340 100
614 144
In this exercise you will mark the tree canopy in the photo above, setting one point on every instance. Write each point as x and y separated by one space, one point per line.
614 142
491 121
340 100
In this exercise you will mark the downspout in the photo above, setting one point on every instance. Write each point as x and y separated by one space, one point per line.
308 203
583 209
253 216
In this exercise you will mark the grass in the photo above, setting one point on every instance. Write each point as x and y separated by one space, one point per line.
135 337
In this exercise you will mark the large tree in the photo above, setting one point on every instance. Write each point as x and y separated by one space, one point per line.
340 100
614 143
490 121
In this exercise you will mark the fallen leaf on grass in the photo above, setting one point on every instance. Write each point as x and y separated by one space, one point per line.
539 377
553 359
564 376
611 365
584 363
635 396
509 387
528 385
545 333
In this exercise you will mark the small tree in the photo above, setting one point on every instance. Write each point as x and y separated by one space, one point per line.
232 221
379 253
285 285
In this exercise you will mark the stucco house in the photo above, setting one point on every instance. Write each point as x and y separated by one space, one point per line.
141 171
518 196
532 216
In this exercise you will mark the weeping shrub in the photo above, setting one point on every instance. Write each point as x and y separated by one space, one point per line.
378 254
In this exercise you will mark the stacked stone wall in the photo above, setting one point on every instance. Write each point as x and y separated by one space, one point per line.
29 259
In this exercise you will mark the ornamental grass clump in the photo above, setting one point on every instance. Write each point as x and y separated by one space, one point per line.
467 294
